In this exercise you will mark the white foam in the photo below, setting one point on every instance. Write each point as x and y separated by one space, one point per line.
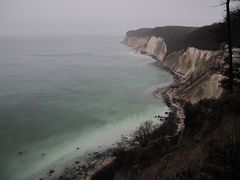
87 141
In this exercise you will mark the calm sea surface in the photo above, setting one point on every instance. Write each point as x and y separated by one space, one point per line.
57 94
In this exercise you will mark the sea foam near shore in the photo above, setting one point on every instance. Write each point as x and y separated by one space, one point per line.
50 105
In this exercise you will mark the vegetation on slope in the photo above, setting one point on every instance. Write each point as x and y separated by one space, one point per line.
208 148
207 37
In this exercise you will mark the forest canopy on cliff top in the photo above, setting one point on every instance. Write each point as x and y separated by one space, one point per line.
207 37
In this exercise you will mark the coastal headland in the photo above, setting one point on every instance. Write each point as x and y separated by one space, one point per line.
196 136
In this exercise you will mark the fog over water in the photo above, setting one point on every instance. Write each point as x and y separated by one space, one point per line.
41 17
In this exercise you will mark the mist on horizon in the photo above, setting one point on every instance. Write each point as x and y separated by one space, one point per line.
76 17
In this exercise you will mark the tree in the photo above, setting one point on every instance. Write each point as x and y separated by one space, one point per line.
230 81
230 58
143 132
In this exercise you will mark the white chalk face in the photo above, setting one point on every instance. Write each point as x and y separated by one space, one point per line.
31 17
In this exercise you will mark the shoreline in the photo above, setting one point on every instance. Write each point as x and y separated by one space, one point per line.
98 160
166 93
85 168
168 132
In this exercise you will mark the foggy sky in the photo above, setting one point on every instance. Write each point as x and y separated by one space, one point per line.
39 17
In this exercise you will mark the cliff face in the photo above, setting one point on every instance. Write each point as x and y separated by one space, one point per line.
156 46
136 42
192 66
152 45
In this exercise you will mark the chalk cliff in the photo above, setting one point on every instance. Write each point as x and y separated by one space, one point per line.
152 45
195 67
191 65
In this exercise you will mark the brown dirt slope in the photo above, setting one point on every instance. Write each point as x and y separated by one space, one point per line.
208 148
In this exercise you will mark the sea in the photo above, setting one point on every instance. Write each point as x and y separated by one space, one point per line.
64 96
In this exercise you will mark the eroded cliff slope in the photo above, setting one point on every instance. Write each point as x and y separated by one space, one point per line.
208 148
193 66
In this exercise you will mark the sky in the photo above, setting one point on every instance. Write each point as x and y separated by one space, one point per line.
73 17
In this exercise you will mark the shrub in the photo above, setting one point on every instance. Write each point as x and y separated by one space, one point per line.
142 134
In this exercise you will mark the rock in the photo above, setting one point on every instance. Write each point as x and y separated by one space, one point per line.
51 171
98 156
76 162
83 166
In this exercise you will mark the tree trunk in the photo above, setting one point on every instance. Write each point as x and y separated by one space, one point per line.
229 29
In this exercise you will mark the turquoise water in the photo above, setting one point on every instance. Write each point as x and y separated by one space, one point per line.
57 94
